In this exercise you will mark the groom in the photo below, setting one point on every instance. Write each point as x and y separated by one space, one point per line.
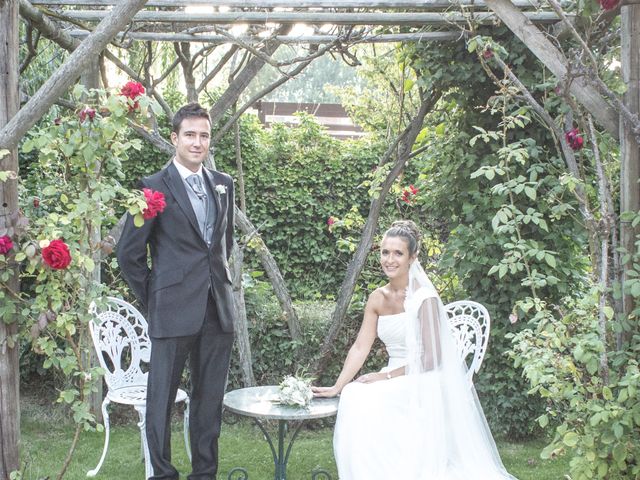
186 290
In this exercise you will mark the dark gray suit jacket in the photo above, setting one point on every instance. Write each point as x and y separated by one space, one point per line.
174 289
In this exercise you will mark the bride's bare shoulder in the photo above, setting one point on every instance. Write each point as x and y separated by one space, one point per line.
377 298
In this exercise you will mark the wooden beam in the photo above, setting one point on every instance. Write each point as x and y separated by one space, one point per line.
538 43
225 18
9 345
629 147
303 39
269 4
68 72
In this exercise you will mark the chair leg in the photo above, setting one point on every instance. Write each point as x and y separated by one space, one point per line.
187 445
105 416
148 469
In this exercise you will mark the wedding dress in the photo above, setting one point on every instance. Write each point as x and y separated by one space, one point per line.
425 425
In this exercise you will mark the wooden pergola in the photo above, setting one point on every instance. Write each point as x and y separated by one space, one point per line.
87 27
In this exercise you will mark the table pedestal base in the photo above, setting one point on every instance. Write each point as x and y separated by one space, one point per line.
280 456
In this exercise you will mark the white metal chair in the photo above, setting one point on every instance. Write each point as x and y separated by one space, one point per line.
119 334
470 323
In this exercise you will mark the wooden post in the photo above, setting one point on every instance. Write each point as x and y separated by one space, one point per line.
90 78
629 147
9 366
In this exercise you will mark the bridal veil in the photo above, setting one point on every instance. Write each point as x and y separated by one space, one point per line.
442 400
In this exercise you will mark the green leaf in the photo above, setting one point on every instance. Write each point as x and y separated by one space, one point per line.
570 439
606 393
89 264
550 259
530 192
543 420
138 220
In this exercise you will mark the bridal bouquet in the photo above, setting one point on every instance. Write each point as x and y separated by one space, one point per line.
296 391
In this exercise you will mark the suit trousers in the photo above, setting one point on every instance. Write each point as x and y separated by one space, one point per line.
209 352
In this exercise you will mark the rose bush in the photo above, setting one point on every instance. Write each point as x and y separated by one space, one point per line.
58 242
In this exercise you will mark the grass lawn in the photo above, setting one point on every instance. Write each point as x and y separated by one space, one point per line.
47 434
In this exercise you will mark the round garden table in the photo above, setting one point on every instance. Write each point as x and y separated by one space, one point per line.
261 403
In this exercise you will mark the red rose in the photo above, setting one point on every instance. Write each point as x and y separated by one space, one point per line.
408 193
487 54
155 203
5 244
331 221
87 112
574 139
132 90
57 255
609 4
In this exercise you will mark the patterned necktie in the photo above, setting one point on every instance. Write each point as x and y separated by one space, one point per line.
200 208
195 182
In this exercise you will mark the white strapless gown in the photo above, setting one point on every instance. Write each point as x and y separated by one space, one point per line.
379 437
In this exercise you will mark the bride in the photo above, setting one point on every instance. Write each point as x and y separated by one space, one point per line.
418 418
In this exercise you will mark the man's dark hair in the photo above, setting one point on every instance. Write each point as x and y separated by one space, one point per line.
190 110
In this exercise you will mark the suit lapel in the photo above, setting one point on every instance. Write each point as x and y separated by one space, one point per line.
175 184
216 197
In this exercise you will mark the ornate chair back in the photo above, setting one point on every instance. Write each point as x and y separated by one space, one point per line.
470 323
122 343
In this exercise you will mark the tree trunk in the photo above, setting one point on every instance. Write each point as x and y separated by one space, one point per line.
241 325
629 148
538 43
407 138
68 72
9 366
273 272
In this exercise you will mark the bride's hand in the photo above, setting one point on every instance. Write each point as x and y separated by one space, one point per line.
325 391
371 377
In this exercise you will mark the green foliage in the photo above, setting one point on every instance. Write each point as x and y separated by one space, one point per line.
299 178
597 421
275 355
75 171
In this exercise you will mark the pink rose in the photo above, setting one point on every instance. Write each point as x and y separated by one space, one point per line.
513 318
331 221
57 255
155 203
5 244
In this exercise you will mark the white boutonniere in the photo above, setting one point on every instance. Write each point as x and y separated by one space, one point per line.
221 189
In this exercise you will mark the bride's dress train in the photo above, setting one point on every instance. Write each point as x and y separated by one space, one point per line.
424 426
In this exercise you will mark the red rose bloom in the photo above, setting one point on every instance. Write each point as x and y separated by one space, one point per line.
155 203
56 255
132 90
87 112
5 244
574 139
609 4
331 221
408 194
487 54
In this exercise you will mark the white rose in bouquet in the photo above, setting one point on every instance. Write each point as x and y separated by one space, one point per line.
296 391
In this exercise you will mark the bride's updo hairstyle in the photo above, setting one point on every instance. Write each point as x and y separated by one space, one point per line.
407 230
